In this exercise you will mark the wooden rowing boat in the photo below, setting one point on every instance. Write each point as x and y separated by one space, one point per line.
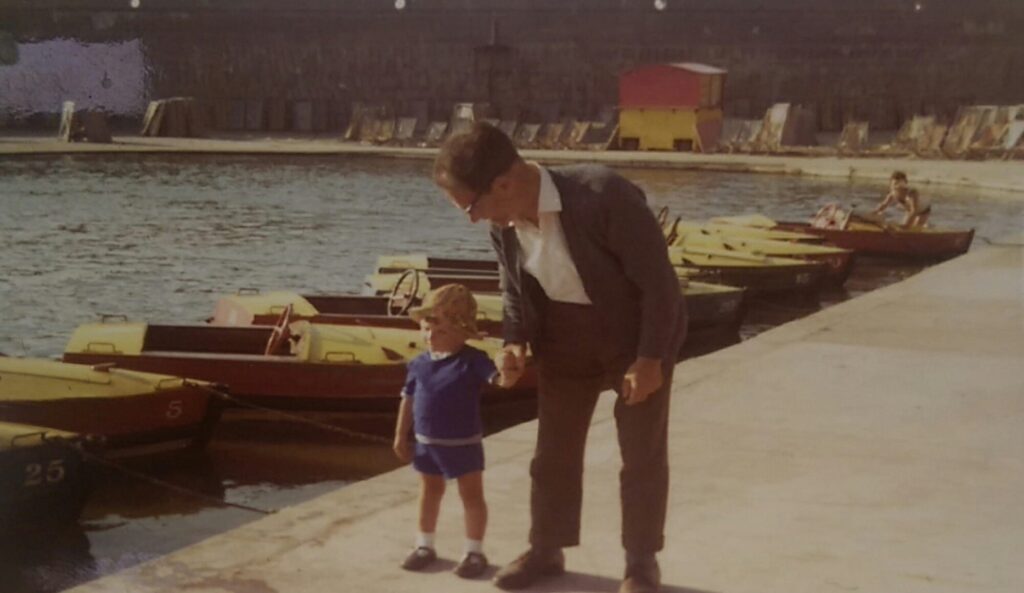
44 480
135 413
886 241
837 261
293 364
715 312
759 274
731 228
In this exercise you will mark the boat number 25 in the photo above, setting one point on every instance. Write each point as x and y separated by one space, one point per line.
36 473
174 409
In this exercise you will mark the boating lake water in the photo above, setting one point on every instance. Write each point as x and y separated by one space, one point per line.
158 238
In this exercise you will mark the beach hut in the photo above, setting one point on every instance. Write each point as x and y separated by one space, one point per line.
674 106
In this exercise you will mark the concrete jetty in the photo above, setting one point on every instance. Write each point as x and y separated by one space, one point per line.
1004 176
876 446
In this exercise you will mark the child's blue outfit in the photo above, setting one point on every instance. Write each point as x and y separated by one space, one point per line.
445 396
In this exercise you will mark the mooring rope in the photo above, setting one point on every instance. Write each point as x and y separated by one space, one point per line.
98 459
322 425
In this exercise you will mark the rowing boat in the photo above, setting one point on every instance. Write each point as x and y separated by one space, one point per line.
44 480
715 312
292 364
873 238
761 275
732 228
887 241
837 261
135 413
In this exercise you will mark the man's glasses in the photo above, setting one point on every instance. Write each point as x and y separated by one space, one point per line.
468 209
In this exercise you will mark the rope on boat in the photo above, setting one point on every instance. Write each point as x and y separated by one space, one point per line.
322 425
92 457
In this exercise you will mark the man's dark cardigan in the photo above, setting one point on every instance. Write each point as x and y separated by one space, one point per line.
619 251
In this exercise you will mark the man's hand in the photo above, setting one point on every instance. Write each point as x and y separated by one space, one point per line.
642 379
403 449
511 363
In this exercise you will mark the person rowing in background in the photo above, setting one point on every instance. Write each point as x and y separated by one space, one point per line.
917 208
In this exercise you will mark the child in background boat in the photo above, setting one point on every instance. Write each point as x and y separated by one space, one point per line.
441 406
917 209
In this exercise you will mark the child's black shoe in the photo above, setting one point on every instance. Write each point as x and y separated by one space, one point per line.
472 566
419 558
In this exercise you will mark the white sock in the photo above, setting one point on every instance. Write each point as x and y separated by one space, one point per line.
425 540
474 545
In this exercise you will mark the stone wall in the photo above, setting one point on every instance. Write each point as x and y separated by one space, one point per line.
881 60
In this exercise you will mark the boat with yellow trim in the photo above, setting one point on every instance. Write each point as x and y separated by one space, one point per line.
893 242
292 364
136 413
732 228
761 275
711 307
875 238
45 479
837 261
758 274
714 311
256 308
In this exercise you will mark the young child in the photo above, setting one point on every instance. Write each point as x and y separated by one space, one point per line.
917 209
441 405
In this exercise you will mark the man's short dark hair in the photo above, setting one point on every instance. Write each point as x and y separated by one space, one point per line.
899 176
475 158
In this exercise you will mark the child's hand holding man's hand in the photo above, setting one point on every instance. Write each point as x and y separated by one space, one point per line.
511 362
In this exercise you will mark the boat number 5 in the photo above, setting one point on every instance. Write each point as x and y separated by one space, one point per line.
174 410
35 475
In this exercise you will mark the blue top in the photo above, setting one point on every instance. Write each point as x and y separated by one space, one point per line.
446 396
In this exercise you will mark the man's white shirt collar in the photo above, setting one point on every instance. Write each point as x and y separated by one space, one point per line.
549 199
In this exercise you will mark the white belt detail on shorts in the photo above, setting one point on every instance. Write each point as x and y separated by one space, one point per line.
422 438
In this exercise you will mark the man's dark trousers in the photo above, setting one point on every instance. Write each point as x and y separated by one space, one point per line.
575 364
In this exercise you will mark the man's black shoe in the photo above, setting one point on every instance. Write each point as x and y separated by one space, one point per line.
642 577
419 558
472 566
532 566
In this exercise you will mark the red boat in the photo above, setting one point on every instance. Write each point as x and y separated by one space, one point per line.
715 312
293 364
135 413
759 275
866 238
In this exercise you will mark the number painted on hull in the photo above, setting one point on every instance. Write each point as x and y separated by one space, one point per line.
36 475
175 409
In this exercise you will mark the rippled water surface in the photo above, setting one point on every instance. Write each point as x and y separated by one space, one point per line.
159 238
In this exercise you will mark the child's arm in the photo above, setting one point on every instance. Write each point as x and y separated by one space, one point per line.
889 198
402 446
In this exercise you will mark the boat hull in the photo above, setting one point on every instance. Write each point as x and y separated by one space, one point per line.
800 281
133 414
714 315
43 488
279 383
894 243
804 279
144 425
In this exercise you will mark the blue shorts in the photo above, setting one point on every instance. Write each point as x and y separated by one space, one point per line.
451 462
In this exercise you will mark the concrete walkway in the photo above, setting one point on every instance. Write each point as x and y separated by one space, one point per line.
877 446
985 175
